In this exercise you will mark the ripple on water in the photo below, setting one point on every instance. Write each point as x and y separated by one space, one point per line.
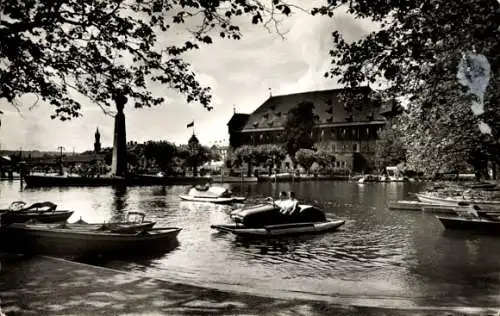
377 252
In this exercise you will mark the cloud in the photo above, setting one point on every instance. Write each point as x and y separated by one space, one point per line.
240 74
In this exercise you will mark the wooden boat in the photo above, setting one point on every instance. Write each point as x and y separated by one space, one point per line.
454 201
82 240
44 212
407 205
481 224
267 220
129 225
211 194
410 205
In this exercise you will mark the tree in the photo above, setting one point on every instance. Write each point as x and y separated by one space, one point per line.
306 158
162 152
298 128
426 52
325 157
269 154
390 149
247 154
95 48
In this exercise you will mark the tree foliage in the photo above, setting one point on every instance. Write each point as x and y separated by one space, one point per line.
298 128
390 148
162 152
325 157
97 48
416 50
306 158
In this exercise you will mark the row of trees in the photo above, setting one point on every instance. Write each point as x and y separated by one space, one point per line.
165 156
272 155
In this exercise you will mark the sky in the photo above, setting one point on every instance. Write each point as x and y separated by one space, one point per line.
242 74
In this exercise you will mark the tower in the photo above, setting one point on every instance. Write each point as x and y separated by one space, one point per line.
119 162
97 142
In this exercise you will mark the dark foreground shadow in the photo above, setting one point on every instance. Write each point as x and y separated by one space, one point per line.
49 286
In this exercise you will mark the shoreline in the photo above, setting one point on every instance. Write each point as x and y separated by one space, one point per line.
55 286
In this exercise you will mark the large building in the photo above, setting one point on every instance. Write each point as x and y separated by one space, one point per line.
346 120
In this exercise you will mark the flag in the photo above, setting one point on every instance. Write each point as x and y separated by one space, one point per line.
190 124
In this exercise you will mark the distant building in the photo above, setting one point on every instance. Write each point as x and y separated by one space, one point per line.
346 120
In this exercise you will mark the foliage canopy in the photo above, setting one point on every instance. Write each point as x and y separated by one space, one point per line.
100 48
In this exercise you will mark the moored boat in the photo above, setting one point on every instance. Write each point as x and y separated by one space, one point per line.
407 205
267 220
411 205
481 224
82 240
133 222
455 201
211 194
44 212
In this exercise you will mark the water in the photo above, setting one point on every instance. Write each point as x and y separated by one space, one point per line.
379 257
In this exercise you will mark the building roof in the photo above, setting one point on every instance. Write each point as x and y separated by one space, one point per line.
238 120
333 107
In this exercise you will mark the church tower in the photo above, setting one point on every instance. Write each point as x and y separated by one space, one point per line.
97 143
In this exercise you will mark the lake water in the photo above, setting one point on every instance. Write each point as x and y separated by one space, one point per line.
378 258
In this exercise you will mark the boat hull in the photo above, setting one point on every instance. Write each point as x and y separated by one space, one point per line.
53 240
281 230
8 218
478 225
455 202
422 206
407 205
217 200
119 227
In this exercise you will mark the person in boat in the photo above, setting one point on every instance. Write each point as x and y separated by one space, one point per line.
290 205
203 187
281 201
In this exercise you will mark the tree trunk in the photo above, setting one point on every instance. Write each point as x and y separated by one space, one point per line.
195 170
249 171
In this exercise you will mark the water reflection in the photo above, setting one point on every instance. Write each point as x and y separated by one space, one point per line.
377 253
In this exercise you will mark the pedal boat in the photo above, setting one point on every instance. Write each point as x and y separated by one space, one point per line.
211 194
266 220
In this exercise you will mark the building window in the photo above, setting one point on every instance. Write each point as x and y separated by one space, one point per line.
355 148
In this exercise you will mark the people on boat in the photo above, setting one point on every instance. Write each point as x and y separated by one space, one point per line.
282 199
290 205
203 187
